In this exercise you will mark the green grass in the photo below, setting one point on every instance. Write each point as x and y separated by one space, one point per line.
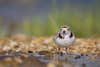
83 24
82 27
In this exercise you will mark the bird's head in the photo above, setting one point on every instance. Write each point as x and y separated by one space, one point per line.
64 29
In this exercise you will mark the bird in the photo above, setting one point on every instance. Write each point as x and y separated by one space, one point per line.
64 37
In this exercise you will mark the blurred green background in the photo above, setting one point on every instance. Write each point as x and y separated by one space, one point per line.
44 17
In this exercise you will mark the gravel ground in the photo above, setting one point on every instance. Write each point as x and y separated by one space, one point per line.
25 51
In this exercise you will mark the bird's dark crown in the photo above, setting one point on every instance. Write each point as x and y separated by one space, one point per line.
65 26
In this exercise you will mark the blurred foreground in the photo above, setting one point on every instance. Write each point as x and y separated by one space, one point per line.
26 51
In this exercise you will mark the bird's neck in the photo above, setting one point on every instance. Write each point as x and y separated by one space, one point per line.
68 34
63 35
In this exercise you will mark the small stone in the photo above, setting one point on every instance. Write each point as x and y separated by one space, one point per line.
6 48
16 46
46 53
8 59
30 51
77 57
18 60
51 65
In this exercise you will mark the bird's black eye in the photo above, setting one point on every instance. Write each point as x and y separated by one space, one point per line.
64 32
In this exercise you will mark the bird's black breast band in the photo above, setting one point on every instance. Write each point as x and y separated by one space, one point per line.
71 35
60 36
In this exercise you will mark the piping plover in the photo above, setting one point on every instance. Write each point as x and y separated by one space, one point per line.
64 37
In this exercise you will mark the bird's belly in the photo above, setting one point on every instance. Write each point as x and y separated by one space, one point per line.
64 42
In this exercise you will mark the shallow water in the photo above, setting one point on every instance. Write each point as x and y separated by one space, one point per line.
39 59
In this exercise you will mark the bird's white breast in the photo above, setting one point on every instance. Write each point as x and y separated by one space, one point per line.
65 42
